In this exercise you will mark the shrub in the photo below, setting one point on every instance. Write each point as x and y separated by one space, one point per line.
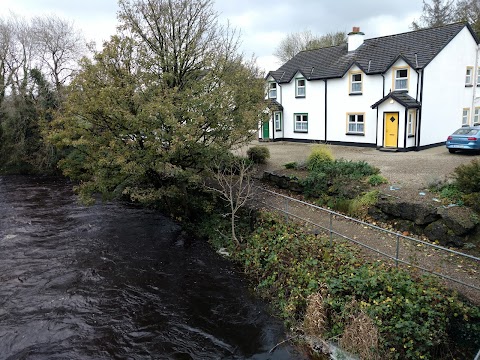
360 204
376 179
319 155
416 318
291 165
258 154
337 178
467 177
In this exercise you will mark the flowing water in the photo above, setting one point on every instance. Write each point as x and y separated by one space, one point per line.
114 281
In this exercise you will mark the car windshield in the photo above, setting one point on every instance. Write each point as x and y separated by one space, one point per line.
466 132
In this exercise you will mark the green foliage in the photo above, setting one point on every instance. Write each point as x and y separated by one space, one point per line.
319 155
258 154
467 177
376 179
450 192
360 204
416 317
339 178
291 165
143 128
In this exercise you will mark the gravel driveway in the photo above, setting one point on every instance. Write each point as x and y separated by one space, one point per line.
413 170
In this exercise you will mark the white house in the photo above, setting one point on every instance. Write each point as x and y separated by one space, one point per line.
404 92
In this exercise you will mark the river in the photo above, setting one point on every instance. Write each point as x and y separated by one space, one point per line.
114 281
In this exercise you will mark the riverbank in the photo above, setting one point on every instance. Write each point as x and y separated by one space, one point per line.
333 292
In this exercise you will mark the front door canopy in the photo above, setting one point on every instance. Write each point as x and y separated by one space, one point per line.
402 98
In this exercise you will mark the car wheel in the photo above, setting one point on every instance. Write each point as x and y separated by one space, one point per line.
451 151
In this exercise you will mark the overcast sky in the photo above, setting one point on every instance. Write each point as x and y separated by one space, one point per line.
263 23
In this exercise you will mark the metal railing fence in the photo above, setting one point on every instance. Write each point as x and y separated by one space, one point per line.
449 264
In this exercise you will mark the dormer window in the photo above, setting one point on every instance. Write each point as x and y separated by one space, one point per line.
401 79
300 87
356 83
272 90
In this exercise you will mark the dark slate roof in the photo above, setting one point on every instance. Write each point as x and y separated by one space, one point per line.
274 105
374 56
401 97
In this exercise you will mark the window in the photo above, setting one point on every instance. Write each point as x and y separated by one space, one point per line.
469 76
300 87
355 83
476 116
272 90
401 79
301 122
478 76
411 123
278 120
465 116
356 124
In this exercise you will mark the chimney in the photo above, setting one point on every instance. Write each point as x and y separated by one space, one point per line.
355 39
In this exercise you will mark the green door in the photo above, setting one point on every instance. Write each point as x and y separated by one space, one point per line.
266 130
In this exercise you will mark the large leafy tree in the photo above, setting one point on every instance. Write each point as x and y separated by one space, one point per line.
160 103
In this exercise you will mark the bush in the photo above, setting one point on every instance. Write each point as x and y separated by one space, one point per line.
337 178
291 165
258 154
376 180
416 317
319 155
467 177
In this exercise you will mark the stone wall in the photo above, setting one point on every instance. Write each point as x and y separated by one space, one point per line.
449 226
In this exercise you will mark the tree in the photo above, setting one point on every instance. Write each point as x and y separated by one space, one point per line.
305 40
436 13
469 11
60 46
233 180
27 98
159 104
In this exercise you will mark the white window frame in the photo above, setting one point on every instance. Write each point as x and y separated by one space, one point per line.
277 120
411 123
355 127
400 80
465 117
300 90
356 82
469 76
300 122
272 90
476 116
478 76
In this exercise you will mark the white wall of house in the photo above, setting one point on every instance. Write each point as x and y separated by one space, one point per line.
312 104
341 103
444 91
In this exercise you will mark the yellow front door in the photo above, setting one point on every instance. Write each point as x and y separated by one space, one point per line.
391 129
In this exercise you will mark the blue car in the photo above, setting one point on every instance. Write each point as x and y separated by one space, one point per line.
465 138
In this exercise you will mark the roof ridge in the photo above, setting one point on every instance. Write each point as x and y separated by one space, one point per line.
419 30
321 48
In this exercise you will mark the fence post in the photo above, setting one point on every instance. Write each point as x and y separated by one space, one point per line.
331 228
286 209
398 250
